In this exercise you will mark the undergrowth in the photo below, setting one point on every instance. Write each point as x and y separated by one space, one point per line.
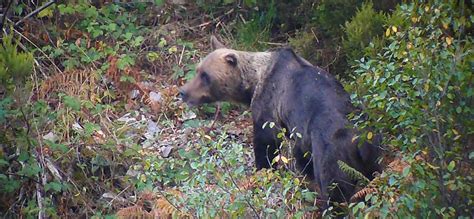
91 125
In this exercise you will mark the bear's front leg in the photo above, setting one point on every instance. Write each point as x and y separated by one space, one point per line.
265 145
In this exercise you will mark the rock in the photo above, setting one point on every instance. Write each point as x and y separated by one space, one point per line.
152 129
134 94
188 115
155 97
134 171
77 127
155 102
50 137
165 151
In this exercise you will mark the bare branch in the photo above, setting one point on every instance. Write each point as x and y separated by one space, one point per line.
38 10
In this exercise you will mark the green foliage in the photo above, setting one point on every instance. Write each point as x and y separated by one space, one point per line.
15 66
330 15
414 84
364 28
353 173
300 43
214 181
418 92
111 21
252 33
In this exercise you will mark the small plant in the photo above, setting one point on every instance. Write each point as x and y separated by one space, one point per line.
364 28
15 66
211 178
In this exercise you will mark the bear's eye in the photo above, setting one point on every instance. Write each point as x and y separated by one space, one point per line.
205 78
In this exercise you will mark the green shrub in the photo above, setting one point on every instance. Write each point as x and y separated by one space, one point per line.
330 16
418 91
15 66
364 28
211 178
305 44
252 33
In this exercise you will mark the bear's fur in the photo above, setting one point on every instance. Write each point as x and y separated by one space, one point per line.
284 88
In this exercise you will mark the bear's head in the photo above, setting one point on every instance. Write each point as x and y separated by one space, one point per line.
218 78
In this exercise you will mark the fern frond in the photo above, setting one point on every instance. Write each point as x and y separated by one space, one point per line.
353 173
135 211
362 193
73 83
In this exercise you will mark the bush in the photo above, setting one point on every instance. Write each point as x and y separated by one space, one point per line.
212 178
418 92
14 66
364 28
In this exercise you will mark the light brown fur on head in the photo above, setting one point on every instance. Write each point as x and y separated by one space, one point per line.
226 75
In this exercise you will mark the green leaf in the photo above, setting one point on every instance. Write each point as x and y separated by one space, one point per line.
159 2
30 170
280 135
47 12
194 165
90 128
112 27
392 181
125 61
3 163
193 123
451 166
406 171
126 78
72 102
410 203
54 186
59 147
23 156
138 41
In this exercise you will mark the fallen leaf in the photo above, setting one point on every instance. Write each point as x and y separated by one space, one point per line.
165 151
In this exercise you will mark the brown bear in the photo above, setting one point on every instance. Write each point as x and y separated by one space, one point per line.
281 87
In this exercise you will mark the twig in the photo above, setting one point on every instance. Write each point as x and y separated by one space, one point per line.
35 12
315 36
20 175
273 44
52 62
226 166
181 56
115 197
171 203
218 110
40 160
4 17
335 58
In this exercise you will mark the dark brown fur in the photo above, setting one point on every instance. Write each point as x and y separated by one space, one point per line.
284 88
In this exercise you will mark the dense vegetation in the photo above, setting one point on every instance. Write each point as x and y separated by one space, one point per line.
90 124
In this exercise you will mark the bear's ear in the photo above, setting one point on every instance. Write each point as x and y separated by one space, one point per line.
215 44
231 59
